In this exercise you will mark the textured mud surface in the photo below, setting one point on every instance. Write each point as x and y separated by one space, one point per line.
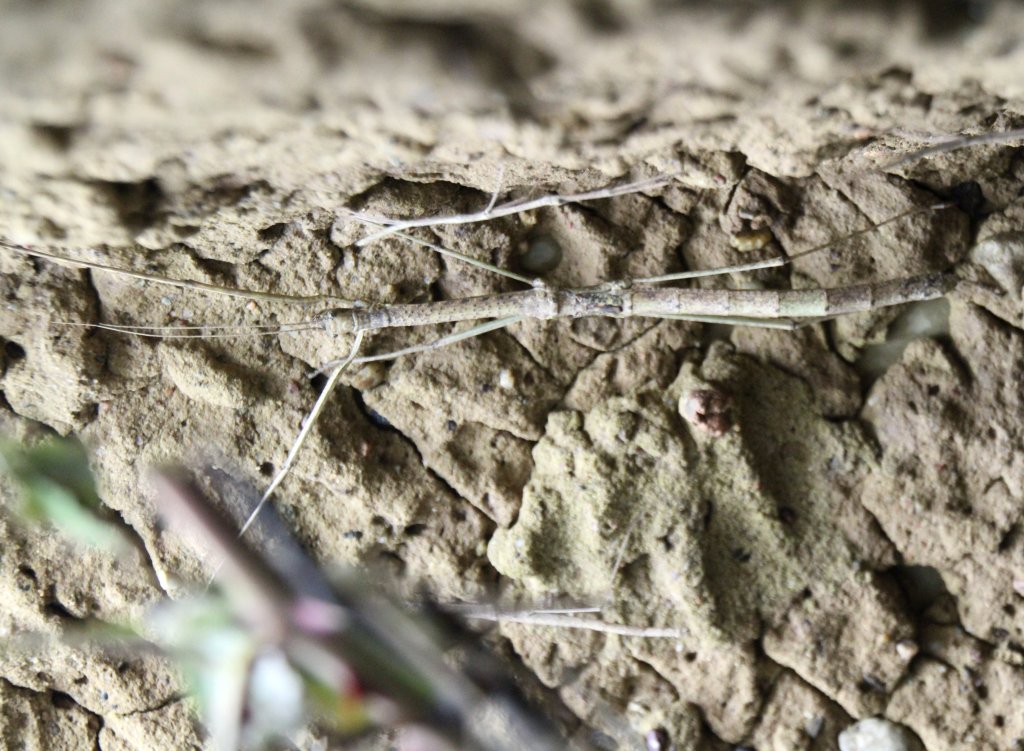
832 547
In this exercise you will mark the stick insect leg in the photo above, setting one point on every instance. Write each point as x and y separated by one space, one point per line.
770 263
337 368
761 323
307 425
518 206
444 341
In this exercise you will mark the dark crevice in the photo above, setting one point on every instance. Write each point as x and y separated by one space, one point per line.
372 416
137 204
158 707
65 702
58 137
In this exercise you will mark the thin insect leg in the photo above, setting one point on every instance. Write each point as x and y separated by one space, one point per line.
769 263
953 143
754 323
621 552
29 250
444 341
441 250
759 323
513 207
497 190
304 432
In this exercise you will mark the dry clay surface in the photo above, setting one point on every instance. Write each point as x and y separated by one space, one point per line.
830 547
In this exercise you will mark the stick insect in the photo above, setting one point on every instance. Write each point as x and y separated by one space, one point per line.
624 298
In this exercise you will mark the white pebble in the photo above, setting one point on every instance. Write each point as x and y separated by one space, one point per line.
876 734
906 649
506 380
1003 257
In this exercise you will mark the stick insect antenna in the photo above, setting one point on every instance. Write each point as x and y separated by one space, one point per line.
197 332
247 294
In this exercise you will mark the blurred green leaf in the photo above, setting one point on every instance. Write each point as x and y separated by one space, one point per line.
57 487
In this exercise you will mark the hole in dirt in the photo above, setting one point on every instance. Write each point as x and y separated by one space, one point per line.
1009 539
969 198
871 683
61 700
57 137
13 350
414 530
55 608
787 515
27 571
267 469
273 232
921 585
741 555
371 414
137 204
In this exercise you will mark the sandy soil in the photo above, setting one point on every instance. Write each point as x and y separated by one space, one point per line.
850 547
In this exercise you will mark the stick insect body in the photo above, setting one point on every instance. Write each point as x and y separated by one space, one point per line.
782 309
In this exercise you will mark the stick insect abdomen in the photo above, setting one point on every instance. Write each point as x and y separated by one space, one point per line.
775 304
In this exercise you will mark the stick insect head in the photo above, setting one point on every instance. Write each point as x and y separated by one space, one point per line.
336 321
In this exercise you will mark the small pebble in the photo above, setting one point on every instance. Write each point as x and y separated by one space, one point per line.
877 734
707 409
749 240
1018 586
814 726
506 380
906 649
